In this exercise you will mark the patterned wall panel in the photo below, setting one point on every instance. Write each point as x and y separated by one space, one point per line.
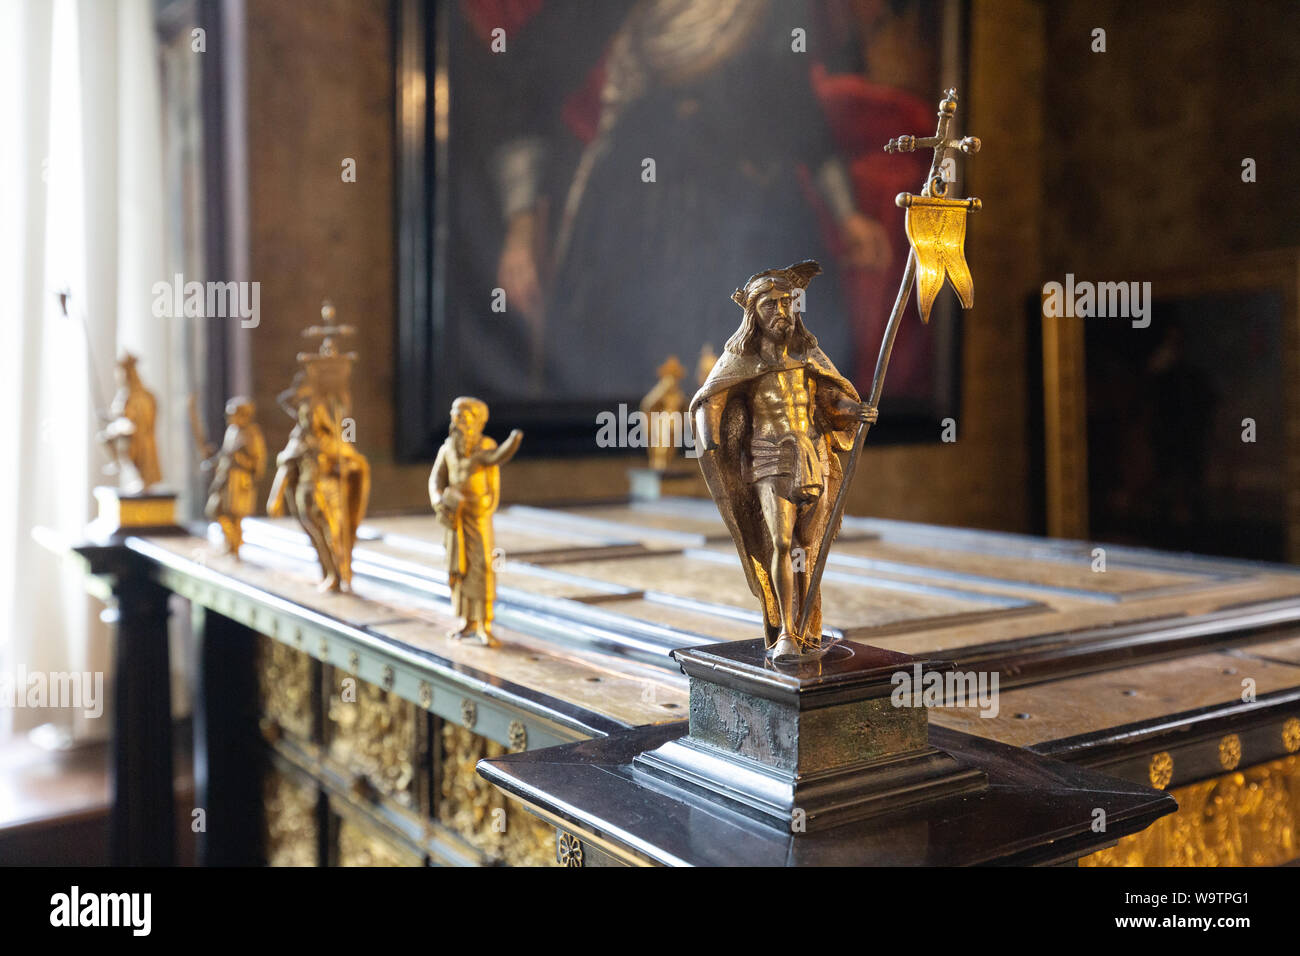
1244 818
290 831
482 814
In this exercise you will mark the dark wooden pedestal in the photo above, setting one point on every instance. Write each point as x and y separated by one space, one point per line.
1033 812
141 828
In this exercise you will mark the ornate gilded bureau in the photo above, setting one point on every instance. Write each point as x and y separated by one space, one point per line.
344 729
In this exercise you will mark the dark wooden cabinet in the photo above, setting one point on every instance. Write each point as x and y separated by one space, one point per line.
346 729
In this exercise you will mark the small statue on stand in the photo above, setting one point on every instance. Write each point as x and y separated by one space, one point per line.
239 464
769 420
465 489
663 407
128 431
774 411
704 364
321 478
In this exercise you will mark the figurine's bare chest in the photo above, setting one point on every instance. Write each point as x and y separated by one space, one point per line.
781 401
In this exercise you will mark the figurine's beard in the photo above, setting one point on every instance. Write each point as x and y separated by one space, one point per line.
465 442
779 334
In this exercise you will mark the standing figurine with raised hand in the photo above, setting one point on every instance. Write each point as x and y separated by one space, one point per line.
240 462
465 489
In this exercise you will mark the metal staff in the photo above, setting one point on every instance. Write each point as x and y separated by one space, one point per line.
935 186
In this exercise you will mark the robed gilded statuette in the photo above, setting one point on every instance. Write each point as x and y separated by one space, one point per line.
663 406
465 489
238 465
321 479
128 431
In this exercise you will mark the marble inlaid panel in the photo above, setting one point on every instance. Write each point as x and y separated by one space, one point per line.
1074 575
517 537
622 690
1080 705
852 602
1286 650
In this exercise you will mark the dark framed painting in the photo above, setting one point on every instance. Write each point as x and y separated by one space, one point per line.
1172 432
1188 446
582 184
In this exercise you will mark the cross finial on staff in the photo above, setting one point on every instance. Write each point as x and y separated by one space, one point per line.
327 333
936 230
330 328
940 142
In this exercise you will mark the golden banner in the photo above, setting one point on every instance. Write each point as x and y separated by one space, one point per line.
936 228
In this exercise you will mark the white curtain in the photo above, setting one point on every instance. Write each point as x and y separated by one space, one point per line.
84 211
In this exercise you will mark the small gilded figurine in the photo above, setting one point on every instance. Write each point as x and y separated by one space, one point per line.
128 431
321 479
465 489
774 413
769 420
704 364
239 463
663 407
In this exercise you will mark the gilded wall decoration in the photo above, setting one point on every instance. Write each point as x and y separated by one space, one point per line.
568 850
1161 770
378 735
1245 818
1230 751
482 814
289 829
1291 734
285 682
360 846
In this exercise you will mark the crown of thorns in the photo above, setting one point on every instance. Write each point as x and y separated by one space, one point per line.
796 276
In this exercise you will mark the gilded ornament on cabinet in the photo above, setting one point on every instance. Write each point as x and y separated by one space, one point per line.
1161 770
288 821
1291 734
377 736
1230 751
568 850
285 688
472 807
774 414
128 431
1242 818
663 406
358 846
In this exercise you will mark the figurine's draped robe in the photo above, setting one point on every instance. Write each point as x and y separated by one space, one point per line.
468 538
727 471
136 404
325 483
242 461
